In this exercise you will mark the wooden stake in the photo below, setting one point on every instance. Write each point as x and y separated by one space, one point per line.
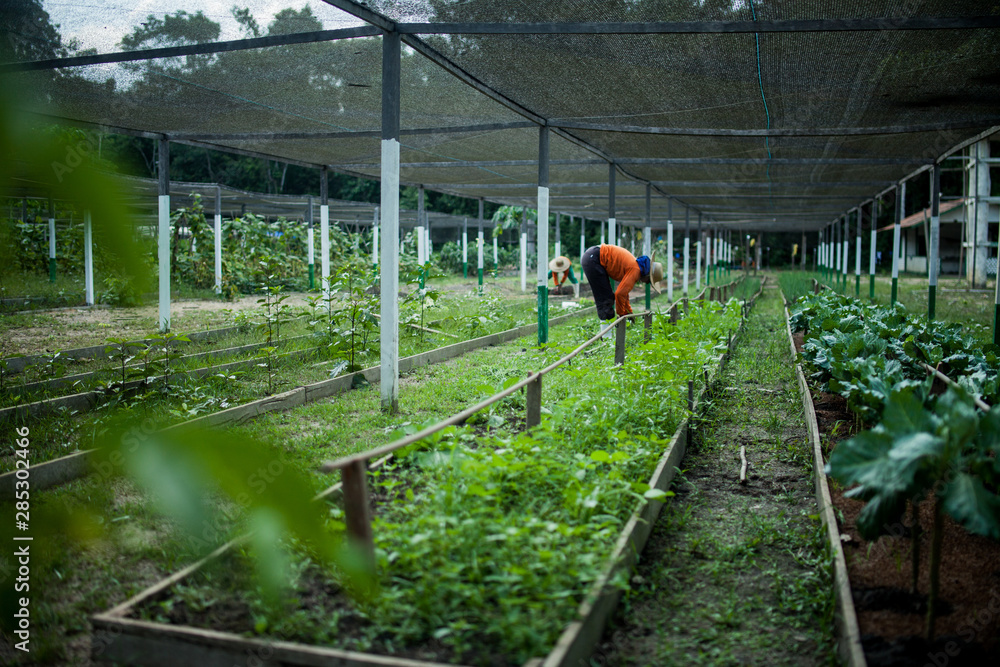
533 402
620 343
743 465
356 514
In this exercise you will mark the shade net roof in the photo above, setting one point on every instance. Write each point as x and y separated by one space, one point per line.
784 128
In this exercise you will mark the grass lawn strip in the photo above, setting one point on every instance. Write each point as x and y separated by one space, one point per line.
737 574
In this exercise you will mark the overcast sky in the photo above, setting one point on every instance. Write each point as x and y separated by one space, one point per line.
100 24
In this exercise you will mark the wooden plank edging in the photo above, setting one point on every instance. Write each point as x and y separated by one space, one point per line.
848 634
141 642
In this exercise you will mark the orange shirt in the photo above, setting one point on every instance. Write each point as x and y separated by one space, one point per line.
621 267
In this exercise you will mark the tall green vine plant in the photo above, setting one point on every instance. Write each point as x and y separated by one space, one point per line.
949 454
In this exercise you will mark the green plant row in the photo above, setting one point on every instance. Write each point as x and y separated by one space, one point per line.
861 351
486 543
925 445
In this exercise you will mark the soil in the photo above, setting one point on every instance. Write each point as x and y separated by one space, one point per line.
890 617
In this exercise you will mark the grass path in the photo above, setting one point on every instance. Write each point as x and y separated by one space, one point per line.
736 574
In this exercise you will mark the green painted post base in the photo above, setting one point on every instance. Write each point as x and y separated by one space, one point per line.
480 280
996 325
312 276
895 287
52 269
649 297
543 314
465 269
857 285
871 287
421 274
932 302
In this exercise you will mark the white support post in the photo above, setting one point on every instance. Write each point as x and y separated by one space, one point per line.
647 240
389 205
524 250
857 247
375 232
163 257
896 228
480 244
163 234
687 250
496 255
583 241
542 240
669 264
871 254
612 231
697 256
52 243
218 240
324 250
88 258
465 246
558 242
602 232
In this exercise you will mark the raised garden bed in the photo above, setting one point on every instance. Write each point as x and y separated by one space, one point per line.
890 616
142 642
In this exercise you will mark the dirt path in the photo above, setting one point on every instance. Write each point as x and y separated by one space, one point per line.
736 574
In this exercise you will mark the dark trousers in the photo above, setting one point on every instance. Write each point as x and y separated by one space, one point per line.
600 283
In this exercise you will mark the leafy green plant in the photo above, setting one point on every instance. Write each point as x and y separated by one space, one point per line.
120 350
166 343
949 453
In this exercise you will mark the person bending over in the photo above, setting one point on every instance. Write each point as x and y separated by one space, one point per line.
561 269
604 263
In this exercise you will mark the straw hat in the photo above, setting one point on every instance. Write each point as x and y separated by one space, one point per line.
655 275
559 264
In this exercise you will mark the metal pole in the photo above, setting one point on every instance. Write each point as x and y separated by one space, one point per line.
389 330
542 241
583 240
895 243
857 255
933 243
52 241
163 244
612 226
